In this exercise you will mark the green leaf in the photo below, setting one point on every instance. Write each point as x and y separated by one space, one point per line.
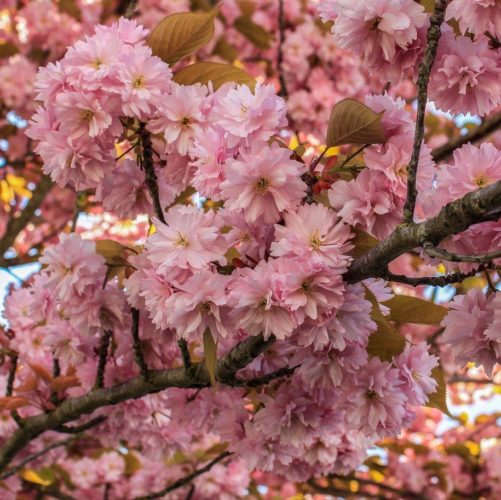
385 342
180 35
438 399
253 32
362 242
352 122
210 355
406 309
217 73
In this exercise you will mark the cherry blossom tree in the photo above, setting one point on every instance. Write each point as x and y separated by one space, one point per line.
266 237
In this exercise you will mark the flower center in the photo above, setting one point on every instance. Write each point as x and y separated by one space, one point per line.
138 82
371 395
481 181
87 115
97 63
262 185
306 286
186 121
316 240
181 241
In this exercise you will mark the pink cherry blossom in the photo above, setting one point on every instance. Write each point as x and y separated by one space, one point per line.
476 16
313 232
263 182
190 239
466 78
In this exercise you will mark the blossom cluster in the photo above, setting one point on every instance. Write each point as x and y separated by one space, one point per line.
255 252
256 259
390 35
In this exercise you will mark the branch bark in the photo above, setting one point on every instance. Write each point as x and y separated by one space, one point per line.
425 67
17 224
184 481
475 207
73 408
487 127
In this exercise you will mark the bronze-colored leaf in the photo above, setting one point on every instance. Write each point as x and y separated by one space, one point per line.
7 49
429 5
217 73
71 8
210 355
362 242
253 32
352 122
438 399
180 35
406 309
225 50
386 342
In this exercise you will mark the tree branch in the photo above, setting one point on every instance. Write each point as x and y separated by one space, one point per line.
104 346
73 408
187 479
17 224
440 253
38 454
488 126
138 352
478 206
430 280
434 33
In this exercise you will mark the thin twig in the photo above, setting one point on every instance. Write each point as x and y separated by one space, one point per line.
430 280
185 352
439 253
150 175
434 33
488 126
280 55
138 351
77 429
104 345
185 480
38 454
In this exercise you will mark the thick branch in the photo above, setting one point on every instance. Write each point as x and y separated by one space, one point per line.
434 33
73 408
478 206
184 481
17 224
487 127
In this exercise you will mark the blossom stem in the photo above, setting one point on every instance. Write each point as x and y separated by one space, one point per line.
425 67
